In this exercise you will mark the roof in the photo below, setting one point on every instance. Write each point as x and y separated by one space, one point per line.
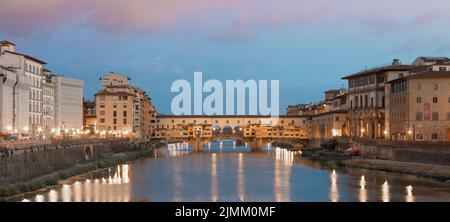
27 56
430 74
114 73
381 69
434 59
104 92
333 91
5 42
226 116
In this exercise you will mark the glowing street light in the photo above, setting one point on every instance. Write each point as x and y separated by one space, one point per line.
9 128
39 129
26 129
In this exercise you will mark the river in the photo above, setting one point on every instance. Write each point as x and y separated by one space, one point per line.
226 172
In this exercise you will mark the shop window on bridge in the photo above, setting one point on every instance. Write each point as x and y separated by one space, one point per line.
434 136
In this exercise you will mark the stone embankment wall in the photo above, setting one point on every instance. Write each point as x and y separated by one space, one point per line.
22 164
405 151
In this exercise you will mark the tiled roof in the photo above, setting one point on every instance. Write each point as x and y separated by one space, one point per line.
27 56
431 74
382 69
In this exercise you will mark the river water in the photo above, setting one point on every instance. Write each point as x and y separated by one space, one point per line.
226 172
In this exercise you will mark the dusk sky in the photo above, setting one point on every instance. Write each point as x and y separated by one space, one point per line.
306 44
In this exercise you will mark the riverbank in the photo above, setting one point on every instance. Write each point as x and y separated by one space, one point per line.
336 159
53 178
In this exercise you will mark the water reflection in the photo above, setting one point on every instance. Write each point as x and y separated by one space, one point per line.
385 196
178 149
409 194
52 196
334 192
241 179
39 198
362 189
282 171
235 174
214 184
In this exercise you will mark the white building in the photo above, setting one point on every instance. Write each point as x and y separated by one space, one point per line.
48 94
68 105
7 82
15 89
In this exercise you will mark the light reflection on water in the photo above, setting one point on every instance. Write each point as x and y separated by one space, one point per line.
229 172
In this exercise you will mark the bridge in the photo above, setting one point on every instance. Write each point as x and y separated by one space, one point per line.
254 129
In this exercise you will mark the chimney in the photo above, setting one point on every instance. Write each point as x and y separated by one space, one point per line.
7 46
396 62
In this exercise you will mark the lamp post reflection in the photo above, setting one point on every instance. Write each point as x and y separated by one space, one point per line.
334 192
409 194
362 190
214 184
385 197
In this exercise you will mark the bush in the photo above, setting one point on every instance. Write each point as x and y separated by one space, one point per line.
329 145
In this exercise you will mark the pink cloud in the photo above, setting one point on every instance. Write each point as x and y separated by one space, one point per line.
239 17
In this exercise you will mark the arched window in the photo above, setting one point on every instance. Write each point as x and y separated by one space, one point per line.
419 116
419 137
419 99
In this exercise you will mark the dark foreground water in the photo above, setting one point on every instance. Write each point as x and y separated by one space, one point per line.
232 173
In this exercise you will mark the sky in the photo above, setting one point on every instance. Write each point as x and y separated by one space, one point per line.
308 45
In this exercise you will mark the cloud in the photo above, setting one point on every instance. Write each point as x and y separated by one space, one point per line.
236 20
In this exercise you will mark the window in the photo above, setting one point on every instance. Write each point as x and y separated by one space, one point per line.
435 99
102 113
102 120
124 113
125 122
400 75
434 136
114 121
114 113
124 105
448 116
419 116
115 97
419 99
114 105
435 116
435 86
102 98
102 105
371 102
419 137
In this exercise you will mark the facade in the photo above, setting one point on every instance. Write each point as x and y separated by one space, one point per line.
367 98
8 80
68 106
420 105
114 113
123 109
89 116
286 127
329 118
48 104
16 70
